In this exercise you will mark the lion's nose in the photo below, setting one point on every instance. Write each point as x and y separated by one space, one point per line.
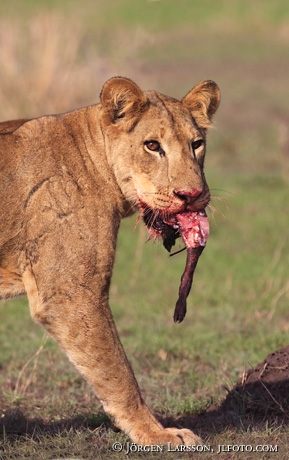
189 196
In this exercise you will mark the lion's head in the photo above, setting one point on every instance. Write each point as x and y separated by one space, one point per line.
156 147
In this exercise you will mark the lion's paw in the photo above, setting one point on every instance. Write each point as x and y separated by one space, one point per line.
166 436
183 436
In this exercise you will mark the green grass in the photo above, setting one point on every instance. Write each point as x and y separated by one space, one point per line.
155 13
55 56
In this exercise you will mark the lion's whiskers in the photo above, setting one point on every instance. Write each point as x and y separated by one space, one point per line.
214 209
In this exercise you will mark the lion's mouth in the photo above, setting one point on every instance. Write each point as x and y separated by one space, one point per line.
168 230
193 228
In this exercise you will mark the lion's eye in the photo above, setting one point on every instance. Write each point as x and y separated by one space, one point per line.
197 144
154 146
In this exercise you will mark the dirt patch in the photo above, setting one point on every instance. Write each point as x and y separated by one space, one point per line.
264 389
260 398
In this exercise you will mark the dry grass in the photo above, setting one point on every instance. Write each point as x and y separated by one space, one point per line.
59 65
48 71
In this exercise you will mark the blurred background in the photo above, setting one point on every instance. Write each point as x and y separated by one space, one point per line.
55 56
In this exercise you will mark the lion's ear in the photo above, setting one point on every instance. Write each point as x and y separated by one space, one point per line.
123 101
203 101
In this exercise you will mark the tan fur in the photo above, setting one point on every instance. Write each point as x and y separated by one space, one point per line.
66 182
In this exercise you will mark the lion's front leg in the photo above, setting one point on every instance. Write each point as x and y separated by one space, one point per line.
83 326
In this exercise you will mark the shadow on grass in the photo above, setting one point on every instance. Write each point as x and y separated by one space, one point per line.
246 407
260 400
15 424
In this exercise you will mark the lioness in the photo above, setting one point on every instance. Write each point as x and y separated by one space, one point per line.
66 182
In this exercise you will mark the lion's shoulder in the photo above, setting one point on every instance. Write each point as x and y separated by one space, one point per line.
9 127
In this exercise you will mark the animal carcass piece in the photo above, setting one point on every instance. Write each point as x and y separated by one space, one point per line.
193 227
